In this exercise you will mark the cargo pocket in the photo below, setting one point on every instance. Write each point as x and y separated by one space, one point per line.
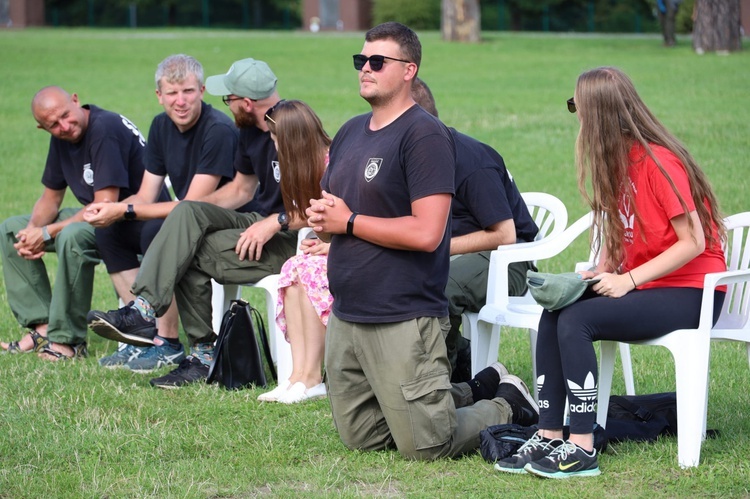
432 413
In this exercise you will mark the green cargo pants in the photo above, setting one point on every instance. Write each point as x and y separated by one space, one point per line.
467 292
388 385
195 244
31 297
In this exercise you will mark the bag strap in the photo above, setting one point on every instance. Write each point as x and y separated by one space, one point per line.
637 410
264 340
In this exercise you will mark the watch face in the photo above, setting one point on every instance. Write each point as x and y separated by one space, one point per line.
283 219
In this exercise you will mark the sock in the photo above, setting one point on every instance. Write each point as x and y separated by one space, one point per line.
144 308
484 384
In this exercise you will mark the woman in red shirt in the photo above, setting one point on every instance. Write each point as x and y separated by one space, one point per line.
660 233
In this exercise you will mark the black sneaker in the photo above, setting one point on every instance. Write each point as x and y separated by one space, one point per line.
568 460
516 393
125 324
534 449
190 370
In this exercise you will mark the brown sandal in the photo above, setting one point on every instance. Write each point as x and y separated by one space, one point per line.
79 352
39 343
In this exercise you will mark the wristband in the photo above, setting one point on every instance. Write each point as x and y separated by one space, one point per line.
350 224
635 286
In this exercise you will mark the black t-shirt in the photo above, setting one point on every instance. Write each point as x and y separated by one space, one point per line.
207 148
380 173
256 155
110 154
485 191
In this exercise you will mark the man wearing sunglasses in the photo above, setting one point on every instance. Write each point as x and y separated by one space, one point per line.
209 239
192 143
385 207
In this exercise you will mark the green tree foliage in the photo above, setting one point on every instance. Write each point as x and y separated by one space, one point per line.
417 14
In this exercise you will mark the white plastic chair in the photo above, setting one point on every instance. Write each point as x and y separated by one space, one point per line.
551 217
523 312
690 347
281 351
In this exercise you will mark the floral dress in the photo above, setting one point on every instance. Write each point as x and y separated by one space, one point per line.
310 272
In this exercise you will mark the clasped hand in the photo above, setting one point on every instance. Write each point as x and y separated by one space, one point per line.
103 214
328 214
30 243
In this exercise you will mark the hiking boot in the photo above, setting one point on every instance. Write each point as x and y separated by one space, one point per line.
158 356
125 324
190 370
534 449
203 352
124 354
567 460
516 393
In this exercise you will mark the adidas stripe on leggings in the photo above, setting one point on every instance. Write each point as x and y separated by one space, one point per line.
565 356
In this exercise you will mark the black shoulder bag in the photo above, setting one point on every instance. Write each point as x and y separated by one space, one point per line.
237 361
641 417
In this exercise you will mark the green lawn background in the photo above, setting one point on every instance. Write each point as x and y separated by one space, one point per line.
77 430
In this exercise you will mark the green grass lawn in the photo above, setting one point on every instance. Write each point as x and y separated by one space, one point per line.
77 430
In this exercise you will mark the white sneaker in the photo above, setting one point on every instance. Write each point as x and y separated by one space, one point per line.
273 395
317 391
295 393
298 392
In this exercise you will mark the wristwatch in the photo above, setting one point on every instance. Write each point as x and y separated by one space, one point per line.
45 235
283 221
130 213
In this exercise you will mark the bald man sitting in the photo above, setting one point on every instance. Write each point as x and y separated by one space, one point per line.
97 154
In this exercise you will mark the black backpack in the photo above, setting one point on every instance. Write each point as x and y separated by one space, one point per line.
237 362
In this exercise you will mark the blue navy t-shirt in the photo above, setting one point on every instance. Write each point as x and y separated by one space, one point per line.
485 191
380 173
207 148
256 155
110 154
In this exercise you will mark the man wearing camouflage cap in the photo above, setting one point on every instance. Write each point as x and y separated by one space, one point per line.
207 239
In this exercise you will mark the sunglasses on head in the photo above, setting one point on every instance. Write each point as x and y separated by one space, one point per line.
270 111
376 61
571 105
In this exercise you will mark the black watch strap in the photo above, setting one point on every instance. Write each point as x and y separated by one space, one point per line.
130 213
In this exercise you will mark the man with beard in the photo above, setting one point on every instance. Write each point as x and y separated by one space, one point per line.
385 207
209 239
194 144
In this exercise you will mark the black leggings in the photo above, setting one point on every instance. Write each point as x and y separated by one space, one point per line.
565 356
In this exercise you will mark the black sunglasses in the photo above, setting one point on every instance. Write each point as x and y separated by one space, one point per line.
376 61
226 99
270 111
571 105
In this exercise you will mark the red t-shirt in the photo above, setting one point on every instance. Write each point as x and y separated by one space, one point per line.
657 204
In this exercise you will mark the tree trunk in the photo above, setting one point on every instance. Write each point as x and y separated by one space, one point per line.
461 21
717 26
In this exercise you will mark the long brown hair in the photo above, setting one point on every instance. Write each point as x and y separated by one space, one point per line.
613 117
302 145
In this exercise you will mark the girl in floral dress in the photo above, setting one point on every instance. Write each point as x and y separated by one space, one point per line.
304 300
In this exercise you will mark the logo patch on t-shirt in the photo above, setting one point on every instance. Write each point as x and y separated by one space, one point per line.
276 171
88 174
372 168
